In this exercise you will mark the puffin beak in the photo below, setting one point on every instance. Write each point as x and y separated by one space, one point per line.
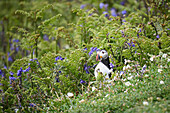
98 57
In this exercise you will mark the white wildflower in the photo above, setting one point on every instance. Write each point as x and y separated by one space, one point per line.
128 66
124 79
168 60
127 83
81 101
16 110
93 88
151 59
159 70
161 82
124 68
125 61
145 103
164 55
146 75
70 94
107 95
129 78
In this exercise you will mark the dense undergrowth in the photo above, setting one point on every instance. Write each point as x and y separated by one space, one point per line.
48 51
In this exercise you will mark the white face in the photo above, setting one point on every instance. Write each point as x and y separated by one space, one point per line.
103 54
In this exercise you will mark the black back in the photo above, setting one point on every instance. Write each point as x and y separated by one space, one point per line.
106 62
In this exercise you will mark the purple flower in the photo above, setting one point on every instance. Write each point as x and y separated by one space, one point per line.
32 104
131 44
26 70
157 36
140 30
86 68
105 6
1 72
59 58
106 14
19 72
10 59
15 40
45 37
57 79
122 3
113 12
168 29
123 20
82 6
101 5
5 67
11 73
31 60
82 81
93 49
59 71
12 78
111 65
124 12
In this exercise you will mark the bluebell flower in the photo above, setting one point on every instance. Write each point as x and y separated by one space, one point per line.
26 70
101 5
1 84
105 6
111 65
12 78
31 60
113 12
122 3
15 40
10 59
131 44
82 81
138 35
5 67
1 72
168 29
157 36
35 59
93 49
11 73
45 37
106 14
32 104
19 72
59 71
124 12
17 49
140 30
86 68
82 6
123 20
57 79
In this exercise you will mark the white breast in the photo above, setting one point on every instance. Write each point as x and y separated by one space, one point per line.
103 69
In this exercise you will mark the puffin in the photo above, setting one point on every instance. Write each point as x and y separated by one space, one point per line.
104 65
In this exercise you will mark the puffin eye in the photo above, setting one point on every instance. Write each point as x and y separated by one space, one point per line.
103 52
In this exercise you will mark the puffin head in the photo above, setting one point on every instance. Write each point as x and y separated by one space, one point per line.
102 54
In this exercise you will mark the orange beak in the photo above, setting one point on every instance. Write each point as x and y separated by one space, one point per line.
98 57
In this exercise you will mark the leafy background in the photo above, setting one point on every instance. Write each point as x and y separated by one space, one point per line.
48 51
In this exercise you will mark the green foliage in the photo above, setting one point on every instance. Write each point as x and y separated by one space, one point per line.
46 52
